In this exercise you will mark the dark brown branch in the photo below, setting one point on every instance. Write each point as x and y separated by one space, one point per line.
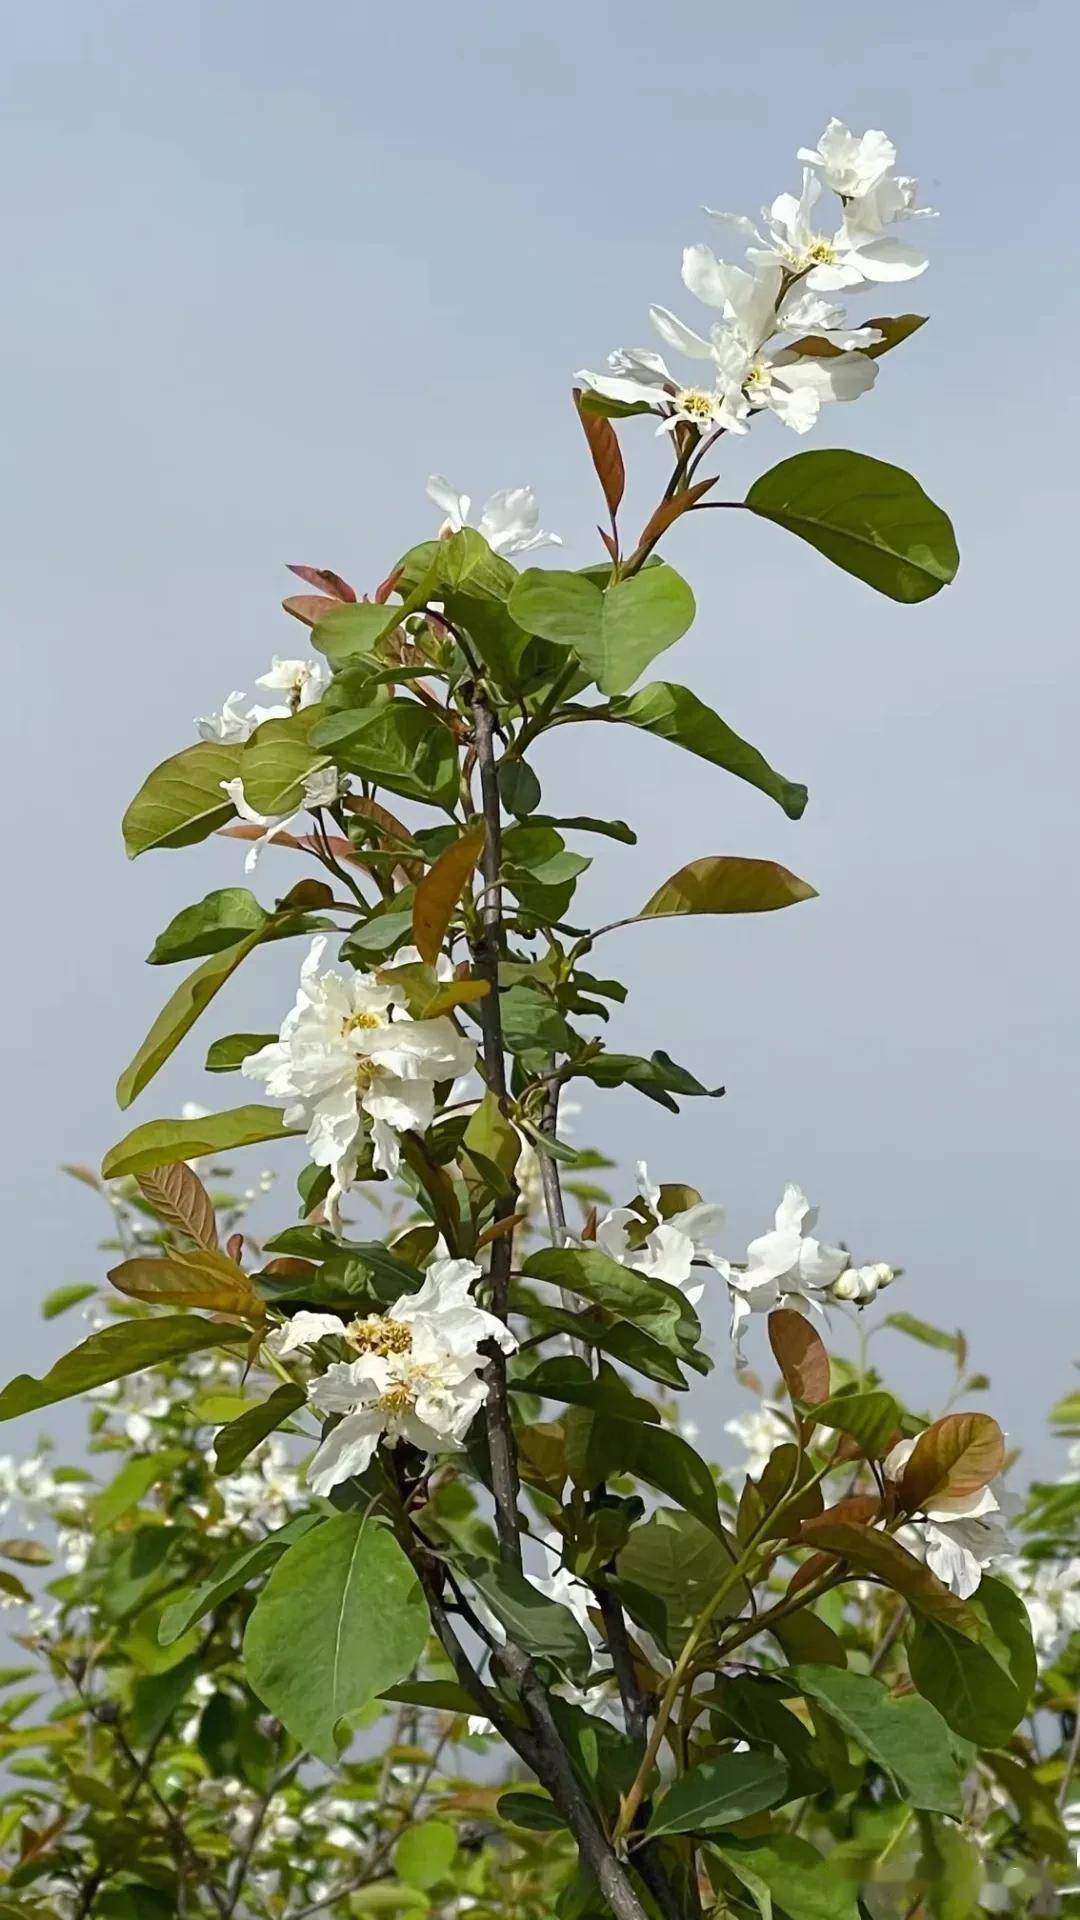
487 952
552 1767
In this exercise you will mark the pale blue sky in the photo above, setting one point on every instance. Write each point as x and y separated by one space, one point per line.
266 267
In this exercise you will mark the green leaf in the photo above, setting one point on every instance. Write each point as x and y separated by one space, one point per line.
872 519
870 1418
542 1626
727 883
341 1618
225 917
907 1737
61 1298
927 1335
230 1574
658 1077
572 1381
241 1436
529 1808
182 800
400 745
649 1305
662 1459
135 1478
159 1142
981 1688
352 632
615 633
464 561
790 1871
425 1853
681 1561
519 788
492 1143
128 1347
674 713
717 1793
278 759
228 1054
179 1015
532 1022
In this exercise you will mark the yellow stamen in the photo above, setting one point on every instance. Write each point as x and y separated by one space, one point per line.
363 1022
374 1334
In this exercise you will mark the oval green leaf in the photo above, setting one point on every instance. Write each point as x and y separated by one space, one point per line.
866 516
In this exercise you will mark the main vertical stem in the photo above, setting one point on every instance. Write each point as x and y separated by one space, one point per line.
547 1753
487 952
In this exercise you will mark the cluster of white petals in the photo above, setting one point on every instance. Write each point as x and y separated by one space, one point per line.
962 1533
663 1249
416 1374
319 789
777 345
1050 1590
349 1052
785 1267
303 683
509 520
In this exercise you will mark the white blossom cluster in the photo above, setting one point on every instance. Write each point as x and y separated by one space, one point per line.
778 344
415 1375
349 1057
785 1266
303 683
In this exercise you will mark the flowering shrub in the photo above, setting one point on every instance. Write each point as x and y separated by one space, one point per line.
411 1592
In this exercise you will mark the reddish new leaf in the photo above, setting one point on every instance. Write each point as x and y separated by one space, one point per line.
870 1551
670 510
440 890
800 1355
606 455
206 1279
309 607
954 1459
326 580
178 1197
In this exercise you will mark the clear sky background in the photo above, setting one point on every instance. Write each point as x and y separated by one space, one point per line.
267 266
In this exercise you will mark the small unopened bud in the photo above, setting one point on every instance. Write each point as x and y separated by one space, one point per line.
847 1286
885 1274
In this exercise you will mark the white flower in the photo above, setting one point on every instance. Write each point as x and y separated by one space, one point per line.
851 164
302 681
671 1247
963 1533
751 364
509 520
759 1432
786 1264
861 1284
857 253
323 787
1050 1590
347 1049
320 789
229 726
272 823
416 1377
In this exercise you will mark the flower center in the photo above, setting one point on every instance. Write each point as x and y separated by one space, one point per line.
397 1399
374 1334
821 252
367 1072
759 375
696 404
362 1022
